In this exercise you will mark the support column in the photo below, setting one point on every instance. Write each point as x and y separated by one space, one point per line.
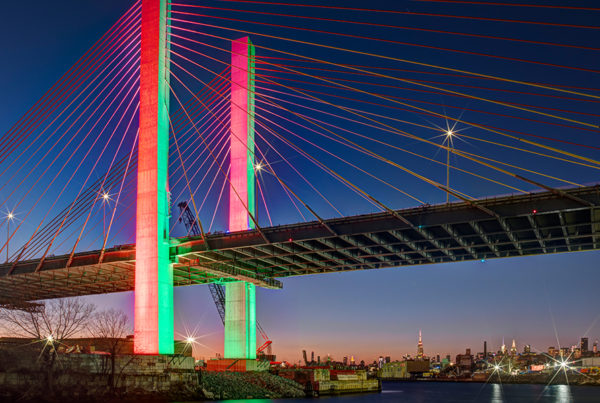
240 307
240 320
153 321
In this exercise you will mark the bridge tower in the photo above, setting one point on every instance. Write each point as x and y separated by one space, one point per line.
153 321
240 308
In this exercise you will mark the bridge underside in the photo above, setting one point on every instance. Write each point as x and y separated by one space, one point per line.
500 227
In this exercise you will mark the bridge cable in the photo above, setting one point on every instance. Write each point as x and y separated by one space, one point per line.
259 123
364 54
212 155
279 179
64 165
377 122
435 113
419 29
395 42
439 104
406 122
23 133
411 13
189 188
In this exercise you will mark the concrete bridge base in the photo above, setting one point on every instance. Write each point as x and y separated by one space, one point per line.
240 321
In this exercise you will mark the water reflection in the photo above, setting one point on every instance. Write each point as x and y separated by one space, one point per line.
497 393
455 392
563 393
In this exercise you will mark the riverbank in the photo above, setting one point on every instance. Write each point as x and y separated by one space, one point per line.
28 376
247 385
31 376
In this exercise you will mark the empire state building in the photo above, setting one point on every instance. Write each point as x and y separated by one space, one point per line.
420 354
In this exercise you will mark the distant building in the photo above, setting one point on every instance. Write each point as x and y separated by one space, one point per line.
465 362
583 345
394 370
416 368
420 354
590 362
388 359
513 348
552 351
595 348
527 349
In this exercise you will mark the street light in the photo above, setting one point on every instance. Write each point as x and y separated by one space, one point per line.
449 134
105 199
9 217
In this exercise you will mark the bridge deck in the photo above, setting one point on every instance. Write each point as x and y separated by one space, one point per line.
537 223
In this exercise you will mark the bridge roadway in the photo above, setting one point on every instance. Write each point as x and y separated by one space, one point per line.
536 223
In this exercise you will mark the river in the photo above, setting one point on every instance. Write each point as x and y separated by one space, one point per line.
430 392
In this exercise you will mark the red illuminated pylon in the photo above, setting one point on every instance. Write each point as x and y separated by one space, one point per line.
153 322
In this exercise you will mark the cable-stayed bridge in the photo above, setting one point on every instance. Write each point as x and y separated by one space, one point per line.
297 149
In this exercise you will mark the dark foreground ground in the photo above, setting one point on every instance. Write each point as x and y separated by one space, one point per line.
34 376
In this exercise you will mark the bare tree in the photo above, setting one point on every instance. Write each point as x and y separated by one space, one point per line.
53 320
112 326
50 321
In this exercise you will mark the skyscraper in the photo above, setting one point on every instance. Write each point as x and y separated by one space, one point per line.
513 348
583 345
420 354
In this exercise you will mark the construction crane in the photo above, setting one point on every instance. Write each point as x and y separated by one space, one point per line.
217 291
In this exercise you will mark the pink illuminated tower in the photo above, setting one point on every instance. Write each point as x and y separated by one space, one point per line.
241 188
240 307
